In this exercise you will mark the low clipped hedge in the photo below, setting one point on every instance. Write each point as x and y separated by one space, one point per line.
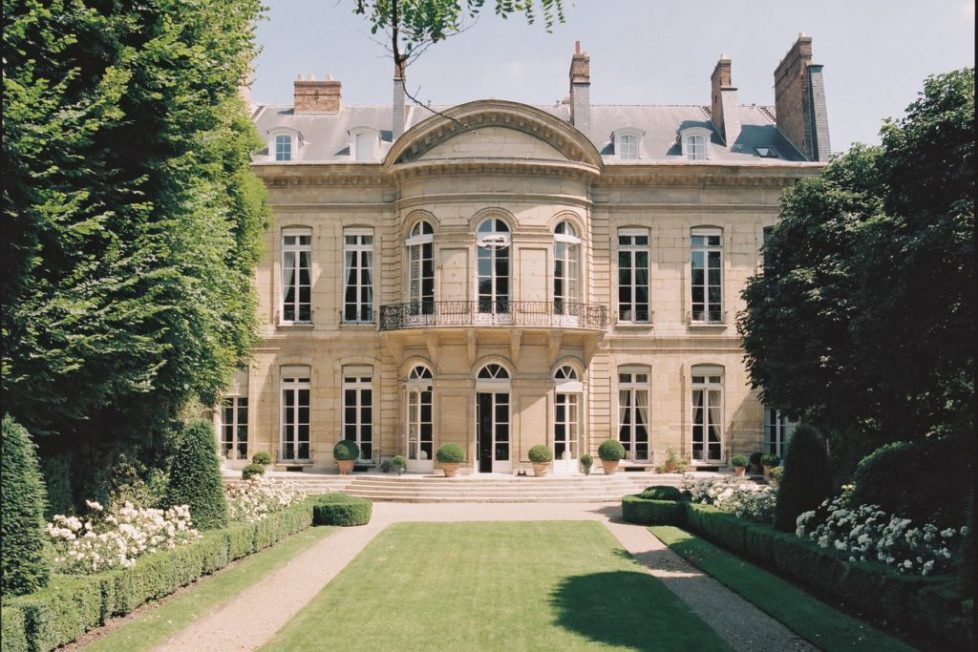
649 511
72 605
661 492
341 509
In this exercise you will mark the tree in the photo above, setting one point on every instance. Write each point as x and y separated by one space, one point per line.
195 477
863 320
131 220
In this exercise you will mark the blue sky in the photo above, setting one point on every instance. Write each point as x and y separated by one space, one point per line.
876 53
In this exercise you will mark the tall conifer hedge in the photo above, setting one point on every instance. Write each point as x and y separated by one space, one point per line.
195 477
24 565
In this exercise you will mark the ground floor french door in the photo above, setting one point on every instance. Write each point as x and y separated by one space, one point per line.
492 432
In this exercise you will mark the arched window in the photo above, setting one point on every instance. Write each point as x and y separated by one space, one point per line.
493 242
493 371
420 419
421 269
567 266
633 411
568 422
707 418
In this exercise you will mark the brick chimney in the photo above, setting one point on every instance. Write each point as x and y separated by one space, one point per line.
799 101
313 96
397 125
580 90
723 102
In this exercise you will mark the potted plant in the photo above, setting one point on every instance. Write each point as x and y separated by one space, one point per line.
774 476
682 465
346 453
769 461
251 470
451 457
540 456
755 462
672 461
739 463
262 457
610 451
586 462
386 466
399 464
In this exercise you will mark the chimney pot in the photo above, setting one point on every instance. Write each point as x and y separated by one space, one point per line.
580 89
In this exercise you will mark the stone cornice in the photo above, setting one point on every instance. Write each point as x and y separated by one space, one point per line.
706 175
322 174
496 166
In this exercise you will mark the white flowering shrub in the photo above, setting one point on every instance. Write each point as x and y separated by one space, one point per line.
103 540
739 496
252 500
867 533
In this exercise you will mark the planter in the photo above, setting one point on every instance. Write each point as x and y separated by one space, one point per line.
540 470
609 466
767 471
450 469
669 467
739 471
346 466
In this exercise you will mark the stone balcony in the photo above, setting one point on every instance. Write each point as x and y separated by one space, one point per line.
489 314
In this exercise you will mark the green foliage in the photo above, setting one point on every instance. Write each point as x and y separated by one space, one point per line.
399 462
807 479
251 470
770 459
611 450
540 454
386 466
131 222
341 509
739 460
650 511
126 483
346 449
195 477
450 454
24 567
57 480
821 339
755 458
262 457
13 636
587 461
661 492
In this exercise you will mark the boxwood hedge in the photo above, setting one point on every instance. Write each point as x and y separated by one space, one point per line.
341 509
648 511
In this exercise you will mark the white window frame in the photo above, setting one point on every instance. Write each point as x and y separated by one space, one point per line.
418 431
494 244
369 138
569 393
696 143
301 243
631 390
234 422
628 143
419 250
295 380
706 382
778 430
359 381
706 311
495 379
361 309
295 139
630 311
567 269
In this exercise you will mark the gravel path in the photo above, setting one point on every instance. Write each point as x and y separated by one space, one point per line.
252 618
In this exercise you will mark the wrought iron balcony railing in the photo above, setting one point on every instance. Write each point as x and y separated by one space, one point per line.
543 314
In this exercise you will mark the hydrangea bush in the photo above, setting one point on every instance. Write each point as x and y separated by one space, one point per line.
867 533
104 540
741 497
253 500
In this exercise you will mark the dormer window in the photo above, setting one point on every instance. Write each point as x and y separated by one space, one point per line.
283 144
695 143
627 143
283 147
364 143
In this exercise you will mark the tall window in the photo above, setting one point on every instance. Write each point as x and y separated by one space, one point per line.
358 295
234 427
627 147
493 242
283 147
696 148
707 275
633 411
296 275
420 435
567 413
633 275
707 413
777 431
295 413
567 271
421 269
358 409
768 233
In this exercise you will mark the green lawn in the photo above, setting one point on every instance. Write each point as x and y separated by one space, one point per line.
501 585
810 618
154 626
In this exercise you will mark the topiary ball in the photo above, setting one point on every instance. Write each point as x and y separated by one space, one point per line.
805 480
770 460
540 454
262 457
450 454
346 449
739 460
611 450
661 492
251 470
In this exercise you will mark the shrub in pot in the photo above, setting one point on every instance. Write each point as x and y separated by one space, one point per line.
610 451
774 476
262 457
346 453
586 463
399 464
739 463
672 461
450 456
251 470
755 462
540 456
386 466
769 461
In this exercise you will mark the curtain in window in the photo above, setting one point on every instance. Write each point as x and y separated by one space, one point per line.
714 424
367 287
288 285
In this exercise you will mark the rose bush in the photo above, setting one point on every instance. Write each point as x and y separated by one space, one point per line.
743 498
253 500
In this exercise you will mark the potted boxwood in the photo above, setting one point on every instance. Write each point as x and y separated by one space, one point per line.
346 453
755 462
540 456
769 461
672 461
774 476
739 463
399 464
586 462
451 457
610 451
262 457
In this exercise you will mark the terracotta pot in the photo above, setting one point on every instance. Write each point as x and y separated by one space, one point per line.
540 470
346 466
609 467
450 469
739 471
767 471
670 467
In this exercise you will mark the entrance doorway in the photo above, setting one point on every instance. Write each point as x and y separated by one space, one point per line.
492 427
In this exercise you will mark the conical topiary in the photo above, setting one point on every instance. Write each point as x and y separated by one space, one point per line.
195 477
806 480
24 564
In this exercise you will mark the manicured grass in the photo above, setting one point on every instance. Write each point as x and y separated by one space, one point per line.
501 585
810 618
177 612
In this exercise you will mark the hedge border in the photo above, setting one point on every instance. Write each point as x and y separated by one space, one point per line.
342 510
72 605
647 511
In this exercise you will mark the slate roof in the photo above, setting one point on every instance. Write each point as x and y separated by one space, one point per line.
325 137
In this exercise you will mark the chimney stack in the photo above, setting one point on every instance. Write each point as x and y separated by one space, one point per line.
723 102
313 96
397 127
799 101
580 90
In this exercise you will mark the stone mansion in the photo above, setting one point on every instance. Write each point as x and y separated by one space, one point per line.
501 275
